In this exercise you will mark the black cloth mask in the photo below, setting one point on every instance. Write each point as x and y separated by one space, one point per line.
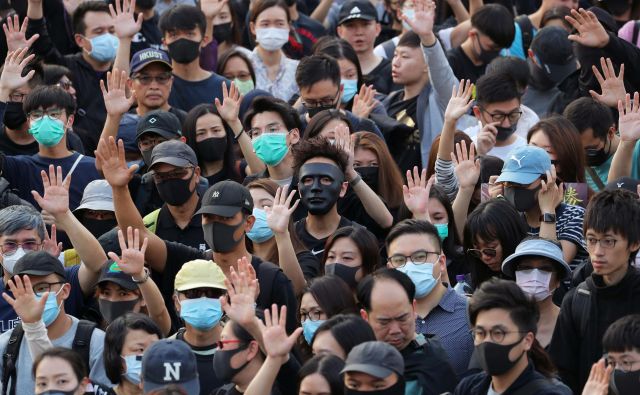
112 310
486 56
505 133
14 116
222 32
319 198
598 157
175 192
219 236
222 364
211 149
369 175
146 156
522 199
98 227
146 4
494 358
396 389
625 383
184 50
315 110
346 273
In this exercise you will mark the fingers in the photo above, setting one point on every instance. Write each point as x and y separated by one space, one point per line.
597 74
121 241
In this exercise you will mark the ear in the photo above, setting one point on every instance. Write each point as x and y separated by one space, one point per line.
253 350
364 315
340 30
294 137
476 112
70 120
183 139
205 41
252 28
378 29
79 40
611 132
66 291
413 307
528 341
343 189
176 302
635 246
249 223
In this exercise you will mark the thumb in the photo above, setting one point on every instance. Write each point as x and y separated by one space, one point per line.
294 336
594 95
43 300
36 196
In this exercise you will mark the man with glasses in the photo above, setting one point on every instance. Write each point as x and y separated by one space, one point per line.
609 293
414 249
622 347
387 298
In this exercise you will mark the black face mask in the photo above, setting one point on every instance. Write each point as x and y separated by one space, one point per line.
222 364
494 358
146 156
60 392
505 133
146 4
346 273
396 389
219 236
184 50
222 32
616 7
486 56
319 198
369 175
98 227
14 116
522 199
211 149
175 192
625 383
313 111
598 157
112 310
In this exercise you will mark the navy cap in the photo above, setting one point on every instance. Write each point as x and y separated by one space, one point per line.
225 199
628 183
170 361
357 9
554 51
524 165
111 272
145 57
375 358
39 263
173 152
160 122
537 248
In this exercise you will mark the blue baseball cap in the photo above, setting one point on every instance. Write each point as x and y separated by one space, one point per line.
145 57
537 248
524 165
170 361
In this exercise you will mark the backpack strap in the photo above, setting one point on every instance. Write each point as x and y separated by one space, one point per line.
594 176
10 360
526 27
389 47
581 307
151 220
636 30
82 341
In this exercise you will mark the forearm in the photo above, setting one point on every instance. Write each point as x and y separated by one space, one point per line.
34 10
446 144
446 177
461 207
263 381
622 160
548 230
246 146
121 61
37 338
111 125
289 262
474 6
569 250
86 245
441 76
321 11
459 11
156 308
373 205
460 33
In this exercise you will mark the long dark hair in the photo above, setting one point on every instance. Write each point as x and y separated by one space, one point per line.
451 245
523 311
329 367
332 294
234 53
363 239
349 330
340 49
189 131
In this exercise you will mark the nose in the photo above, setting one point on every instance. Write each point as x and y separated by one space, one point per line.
506 120
316 185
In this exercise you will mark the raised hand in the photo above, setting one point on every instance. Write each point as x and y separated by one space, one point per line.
591 33
16 34
242 290
115 94
460 101
598 382
274 334
612 87
629 121
467 168
211 8
343 141
487 138
422 24
50 243
132 261
24 301
416 193
550 194
56 192
230 106
11 78
278 215
124 21
110 158
364 102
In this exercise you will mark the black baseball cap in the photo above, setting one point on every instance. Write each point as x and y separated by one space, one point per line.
173 152
112 273
160 122
628 183
357 9
225 199
145 57
375 358
170 361
554 50
39 263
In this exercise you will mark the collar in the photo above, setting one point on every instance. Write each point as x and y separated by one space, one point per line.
165 219
448 300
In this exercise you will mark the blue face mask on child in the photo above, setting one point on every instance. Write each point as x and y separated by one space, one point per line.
260 232
201 313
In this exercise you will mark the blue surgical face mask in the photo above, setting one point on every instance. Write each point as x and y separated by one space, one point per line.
47 131
309 329
422 277
443 230
350 88
134 368
271 148
201 313
51 307
260 232
104 47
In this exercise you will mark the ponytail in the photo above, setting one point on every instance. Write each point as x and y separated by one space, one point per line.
541 360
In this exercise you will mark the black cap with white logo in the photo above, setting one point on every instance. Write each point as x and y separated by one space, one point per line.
357 9
225 199
160 122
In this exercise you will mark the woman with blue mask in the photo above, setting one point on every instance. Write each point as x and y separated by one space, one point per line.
272 236
60 370
126 340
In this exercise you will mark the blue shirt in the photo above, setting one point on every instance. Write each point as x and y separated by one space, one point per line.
187 94
603 170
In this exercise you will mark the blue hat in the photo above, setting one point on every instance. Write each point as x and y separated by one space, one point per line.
145 57
537 248
170 361
524 165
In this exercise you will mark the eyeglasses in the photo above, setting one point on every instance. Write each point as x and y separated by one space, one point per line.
496 334
150 142
176 174
419 257
40 288
275 127
313 315
624 366
17 97
212 293
607 243
221 343
52 112
513 116
161 79
327 102
66 85
10 247
490 252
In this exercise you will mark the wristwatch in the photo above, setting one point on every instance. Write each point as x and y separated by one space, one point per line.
144 279
549 218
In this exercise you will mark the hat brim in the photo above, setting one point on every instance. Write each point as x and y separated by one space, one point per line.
518 177
359 16
508 266
130 285
162 132
102 205
203 284
223 211
33 272
561 71
171 160
373 370
190 387
143 65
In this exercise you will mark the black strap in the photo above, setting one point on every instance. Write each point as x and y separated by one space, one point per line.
10 360
82 341
594 176
581 307
636 30
526 27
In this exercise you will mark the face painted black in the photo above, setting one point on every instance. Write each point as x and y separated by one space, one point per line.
319 186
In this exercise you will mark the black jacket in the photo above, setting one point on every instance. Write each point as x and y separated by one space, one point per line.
585 314
427 370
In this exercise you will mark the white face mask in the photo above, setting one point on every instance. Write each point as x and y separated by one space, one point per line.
9 261
272 38
535 283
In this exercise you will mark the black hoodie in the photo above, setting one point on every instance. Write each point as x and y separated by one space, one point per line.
575 346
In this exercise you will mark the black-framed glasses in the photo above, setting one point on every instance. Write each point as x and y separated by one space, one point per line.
10 247
54 113
275 127
513 116
606 243
496 334
419 257
40 288
145 79
624 366
313 315
490 252
211 293
175 174
326 102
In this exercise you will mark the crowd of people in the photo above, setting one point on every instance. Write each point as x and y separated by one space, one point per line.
318 197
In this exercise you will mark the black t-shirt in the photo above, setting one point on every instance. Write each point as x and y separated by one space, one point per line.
380 77
149 36
462 66
405 112
99 389
10 148
204 358
351 207
192 235
316 246
309 263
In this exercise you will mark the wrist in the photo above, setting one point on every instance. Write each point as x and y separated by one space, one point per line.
126 39
235 125
351 174
281 235
428 40
141 277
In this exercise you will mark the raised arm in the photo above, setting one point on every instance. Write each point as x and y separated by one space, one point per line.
550 197
56 203
416 193
629 128
126 27
612 86
467 169
132 263
11 77
116 101
110 158
16 34
36 26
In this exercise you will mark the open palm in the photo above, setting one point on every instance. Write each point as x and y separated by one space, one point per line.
612 86
115 97
110 158
467 168
230 106
629 121
211 8
274 335
460 101
278 215
16 34
132 261
56 192
416 192
590 31
242 290
15 62
425 12
124 21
